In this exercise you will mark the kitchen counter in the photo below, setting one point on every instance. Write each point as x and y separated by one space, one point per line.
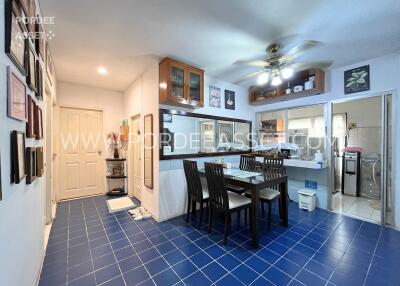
305 164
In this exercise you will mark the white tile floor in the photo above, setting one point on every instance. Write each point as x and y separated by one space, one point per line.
360 207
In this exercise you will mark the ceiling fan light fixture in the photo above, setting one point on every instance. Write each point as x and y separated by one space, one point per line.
276 80
287 73
263 78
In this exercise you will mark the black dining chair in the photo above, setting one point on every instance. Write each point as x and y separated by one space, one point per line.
220 199
272 166
196 192
247 163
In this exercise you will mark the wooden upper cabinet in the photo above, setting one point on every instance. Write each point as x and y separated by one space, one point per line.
181 84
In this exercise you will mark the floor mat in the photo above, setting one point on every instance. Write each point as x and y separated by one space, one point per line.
120 204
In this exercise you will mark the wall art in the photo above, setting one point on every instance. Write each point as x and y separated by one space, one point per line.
16 97
356 80
229 99
214 99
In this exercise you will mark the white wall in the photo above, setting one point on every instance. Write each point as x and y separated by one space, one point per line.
111 102
141 97
22 207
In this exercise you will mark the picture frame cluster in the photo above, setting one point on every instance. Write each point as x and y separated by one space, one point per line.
30 73
214 99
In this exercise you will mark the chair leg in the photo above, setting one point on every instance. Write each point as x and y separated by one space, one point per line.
226 227
250 220
201 214
245 216
262 208
269 215
239 217
188 210
280 207
209 218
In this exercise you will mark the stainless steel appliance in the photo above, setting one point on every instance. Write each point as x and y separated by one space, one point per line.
371 175
351 173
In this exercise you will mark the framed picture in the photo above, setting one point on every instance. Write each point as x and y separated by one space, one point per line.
15 36
25 5
148 151
32 15
30 125
32 80
30 164
229 99
40 85
17 156
16 97
356 80
49 65
39 162
214 97
41 41
38 122
225 132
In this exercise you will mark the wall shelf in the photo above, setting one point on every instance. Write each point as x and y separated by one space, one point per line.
259 95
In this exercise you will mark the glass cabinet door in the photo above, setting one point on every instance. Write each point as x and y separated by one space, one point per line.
194 85
177 81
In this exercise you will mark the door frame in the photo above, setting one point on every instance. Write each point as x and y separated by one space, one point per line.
60 107
48 166
384 155
131 178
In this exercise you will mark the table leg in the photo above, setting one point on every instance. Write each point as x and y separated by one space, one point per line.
255 203
284 203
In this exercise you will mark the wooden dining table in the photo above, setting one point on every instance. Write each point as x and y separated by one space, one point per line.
256 181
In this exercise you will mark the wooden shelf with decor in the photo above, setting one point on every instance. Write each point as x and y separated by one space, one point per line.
267 94
180 84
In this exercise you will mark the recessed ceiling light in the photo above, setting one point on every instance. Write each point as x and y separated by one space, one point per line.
102 70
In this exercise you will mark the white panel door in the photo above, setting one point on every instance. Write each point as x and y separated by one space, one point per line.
81 144
137 161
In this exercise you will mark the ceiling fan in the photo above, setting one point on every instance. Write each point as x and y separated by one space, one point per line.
277 66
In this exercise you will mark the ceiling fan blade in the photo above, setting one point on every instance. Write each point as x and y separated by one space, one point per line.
309 65
256 63
300 49
246 77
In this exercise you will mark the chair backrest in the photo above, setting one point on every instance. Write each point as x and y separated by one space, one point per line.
195 190
216 185
274 164
247 163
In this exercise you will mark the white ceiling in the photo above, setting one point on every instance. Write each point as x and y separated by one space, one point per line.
126 36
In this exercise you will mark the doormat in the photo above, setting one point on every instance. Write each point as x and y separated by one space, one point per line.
120 204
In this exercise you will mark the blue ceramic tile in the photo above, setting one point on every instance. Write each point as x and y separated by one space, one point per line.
287 266
229 280
319 269
149 254
80 270
214 271
201 259
103 261
136 276
129 263
257 264
142 245
184 268
174 257
165 247
268 255
87 280
156 266
276 276
167 277
190 249
107 273
116 245
309 278
196 279
124 253
244 274
261 281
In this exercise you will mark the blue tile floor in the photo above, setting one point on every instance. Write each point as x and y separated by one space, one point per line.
89 246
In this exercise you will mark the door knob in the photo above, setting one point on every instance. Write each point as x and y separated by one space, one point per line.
99 152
